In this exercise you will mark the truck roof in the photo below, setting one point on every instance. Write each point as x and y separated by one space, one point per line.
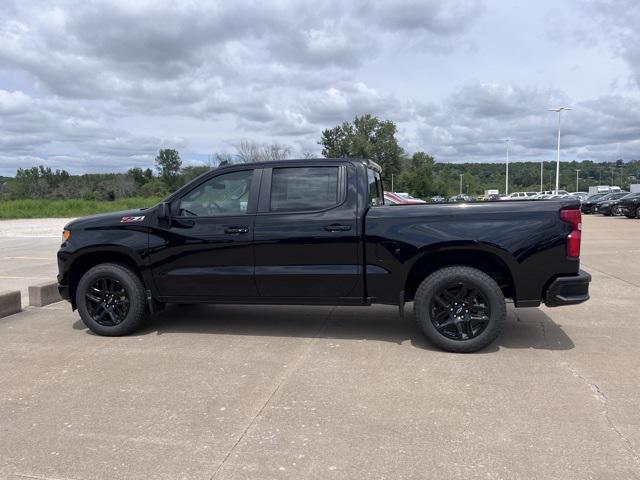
368 163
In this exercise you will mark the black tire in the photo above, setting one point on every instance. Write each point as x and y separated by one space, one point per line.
615 211
638 212
428 306
117 309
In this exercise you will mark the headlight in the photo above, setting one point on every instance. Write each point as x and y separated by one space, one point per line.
66 235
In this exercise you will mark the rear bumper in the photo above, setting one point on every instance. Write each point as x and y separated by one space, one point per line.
568 290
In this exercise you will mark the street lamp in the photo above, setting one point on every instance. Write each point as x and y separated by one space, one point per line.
577 172
559 110
506 177
461 183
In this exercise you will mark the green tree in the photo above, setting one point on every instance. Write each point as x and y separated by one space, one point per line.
417 179
367 137
168 164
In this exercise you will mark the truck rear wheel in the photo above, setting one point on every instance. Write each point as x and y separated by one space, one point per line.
111 300
460 309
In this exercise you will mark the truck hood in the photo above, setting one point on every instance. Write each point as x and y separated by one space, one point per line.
138 216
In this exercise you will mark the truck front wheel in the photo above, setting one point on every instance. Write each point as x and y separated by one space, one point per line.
111 300
460 309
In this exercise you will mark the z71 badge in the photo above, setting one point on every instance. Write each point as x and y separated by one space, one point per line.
132 219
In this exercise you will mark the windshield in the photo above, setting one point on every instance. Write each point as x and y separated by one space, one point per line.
615 196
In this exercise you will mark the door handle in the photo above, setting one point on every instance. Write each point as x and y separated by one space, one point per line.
236 230
334 227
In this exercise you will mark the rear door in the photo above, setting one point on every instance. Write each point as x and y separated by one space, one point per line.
306 234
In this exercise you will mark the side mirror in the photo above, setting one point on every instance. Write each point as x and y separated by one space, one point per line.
164 214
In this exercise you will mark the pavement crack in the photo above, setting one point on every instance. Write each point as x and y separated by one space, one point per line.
285 375
543 330
602 397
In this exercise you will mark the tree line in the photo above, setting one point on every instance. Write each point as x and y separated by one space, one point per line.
366 136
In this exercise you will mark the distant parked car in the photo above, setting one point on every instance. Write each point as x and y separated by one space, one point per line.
392 198
588 204
630 205
438 199
611 206
458 198
515 196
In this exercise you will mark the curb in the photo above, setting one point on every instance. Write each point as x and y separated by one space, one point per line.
43 294
10 302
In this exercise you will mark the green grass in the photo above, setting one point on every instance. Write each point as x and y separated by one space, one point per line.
69 208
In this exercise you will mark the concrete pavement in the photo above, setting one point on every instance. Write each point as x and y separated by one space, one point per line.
28 252
238 392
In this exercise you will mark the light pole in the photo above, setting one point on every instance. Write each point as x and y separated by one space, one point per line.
577 172
621 166
506 177
541 174
559 110
461 183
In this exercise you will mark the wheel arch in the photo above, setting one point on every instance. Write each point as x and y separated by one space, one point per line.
483 260
86 260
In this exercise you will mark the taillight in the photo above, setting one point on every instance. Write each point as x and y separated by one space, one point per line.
574 218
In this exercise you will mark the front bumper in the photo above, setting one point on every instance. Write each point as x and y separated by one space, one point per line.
64 291
568 290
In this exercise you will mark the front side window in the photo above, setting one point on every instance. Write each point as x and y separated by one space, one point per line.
375 188
226 194
304 188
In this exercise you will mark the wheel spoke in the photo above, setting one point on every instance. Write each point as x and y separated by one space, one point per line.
460 311
471 295
448 296
93 298
107 301
445 324
443 303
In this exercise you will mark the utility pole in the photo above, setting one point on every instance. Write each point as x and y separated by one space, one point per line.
506 177
559 111
461 175
577 172
621 176
541 174
392 183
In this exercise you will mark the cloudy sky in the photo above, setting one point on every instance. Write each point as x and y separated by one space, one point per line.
102 85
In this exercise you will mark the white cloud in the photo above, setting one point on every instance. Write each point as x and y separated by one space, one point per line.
199 75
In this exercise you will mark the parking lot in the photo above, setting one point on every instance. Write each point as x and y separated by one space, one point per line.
222 392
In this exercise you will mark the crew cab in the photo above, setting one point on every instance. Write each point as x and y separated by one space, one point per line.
318 232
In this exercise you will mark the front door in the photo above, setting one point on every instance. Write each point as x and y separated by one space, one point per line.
306 233
207 251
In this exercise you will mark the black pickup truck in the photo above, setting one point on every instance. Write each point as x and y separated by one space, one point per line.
318 232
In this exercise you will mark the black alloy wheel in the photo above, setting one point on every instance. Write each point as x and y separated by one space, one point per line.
460 311
111 299
460 308
107 302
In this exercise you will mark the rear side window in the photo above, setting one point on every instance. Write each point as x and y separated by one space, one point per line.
304 188
376 195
